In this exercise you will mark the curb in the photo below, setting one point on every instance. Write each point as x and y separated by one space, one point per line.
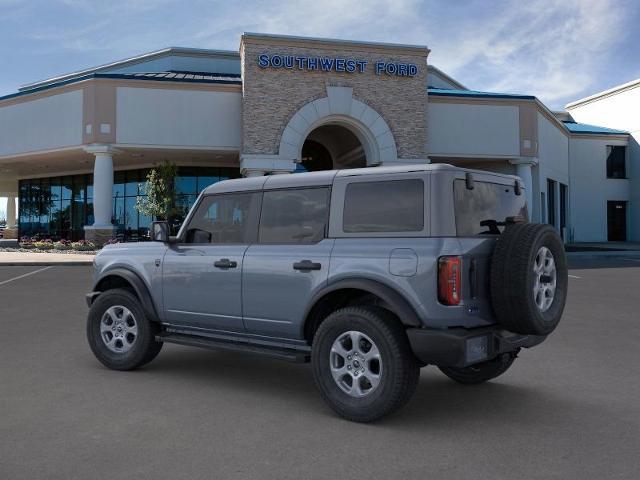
614 254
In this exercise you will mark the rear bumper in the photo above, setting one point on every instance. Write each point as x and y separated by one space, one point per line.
460 347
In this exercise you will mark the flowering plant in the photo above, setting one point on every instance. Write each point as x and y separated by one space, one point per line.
83 245
62 245
46 244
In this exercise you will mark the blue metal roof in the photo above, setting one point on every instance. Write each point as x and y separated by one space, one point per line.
575 127
188 77
443 92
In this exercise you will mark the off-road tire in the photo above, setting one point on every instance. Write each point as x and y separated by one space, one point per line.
399 374
144 348
512 279
481 372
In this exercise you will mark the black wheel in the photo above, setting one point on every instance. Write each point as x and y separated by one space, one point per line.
119 333
481 372
529 279
362 363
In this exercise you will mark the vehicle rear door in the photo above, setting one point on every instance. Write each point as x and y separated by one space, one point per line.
289 263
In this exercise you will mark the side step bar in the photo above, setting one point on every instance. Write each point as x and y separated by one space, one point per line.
287 354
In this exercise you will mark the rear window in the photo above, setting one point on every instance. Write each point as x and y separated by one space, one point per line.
385 206
479 210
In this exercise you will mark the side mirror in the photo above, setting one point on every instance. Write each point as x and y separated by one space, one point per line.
160 232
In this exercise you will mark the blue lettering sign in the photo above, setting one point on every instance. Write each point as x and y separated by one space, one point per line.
351 66
329 64
288 61
263 61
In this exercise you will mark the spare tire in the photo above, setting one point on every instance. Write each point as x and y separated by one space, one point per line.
528 278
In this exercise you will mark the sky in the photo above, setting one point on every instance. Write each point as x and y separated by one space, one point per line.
558 50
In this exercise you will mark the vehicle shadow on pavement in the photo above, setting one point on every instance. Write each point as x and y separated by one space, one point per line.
438 401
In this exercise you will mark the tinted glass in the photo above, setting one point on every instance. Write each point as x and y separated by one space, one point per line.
294 216
224 219
487 203
616 162
387 206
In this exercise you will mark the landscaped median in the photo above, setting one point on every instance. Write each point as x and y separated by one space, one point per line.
36 251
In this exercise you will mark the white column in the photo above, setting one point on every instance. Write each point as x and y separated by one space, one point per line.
11 211
102 185
247 172
523 170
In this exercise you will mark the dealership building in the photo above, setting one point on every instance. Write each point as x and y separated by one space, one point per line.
75 149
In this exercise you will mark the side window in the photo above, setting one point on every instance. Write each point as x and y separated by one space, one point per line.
294 216
384 206
224 218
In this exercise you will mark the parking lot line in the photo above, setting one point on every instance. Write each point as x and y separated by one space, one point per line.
574 276
25 275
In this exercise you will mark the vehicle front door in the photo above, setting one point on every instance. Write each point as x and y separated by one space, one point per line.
202 273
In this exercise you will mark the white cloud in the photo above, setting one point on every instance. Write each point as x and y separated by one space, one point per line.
554 49
549 48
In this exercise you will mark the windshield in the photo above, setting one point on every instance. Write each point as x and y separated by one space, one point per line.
483 210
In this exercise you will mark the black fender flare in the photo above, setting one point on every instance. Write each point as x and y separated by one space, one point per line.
138 285
396 302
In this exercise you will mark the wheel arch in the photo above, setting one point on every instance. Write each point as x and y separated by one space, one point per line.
124 278
346 292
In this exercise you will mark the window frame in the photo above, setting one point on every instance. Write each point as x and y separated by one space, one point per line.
325 233
252 224
340 184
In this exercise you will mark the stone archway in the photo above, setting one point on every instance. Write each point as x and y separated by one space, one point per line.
340 109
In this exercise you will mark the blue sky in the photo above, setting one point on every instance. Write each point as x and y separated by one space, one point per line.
558 50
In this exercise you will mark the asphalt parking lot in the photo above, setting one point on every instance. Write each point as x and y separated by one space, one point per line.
567 409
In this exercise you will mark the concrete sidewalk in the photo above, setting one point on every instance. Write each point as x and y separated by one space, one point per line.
44 259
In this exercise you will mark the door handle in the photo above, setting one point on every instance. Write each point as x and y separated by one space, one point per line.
225 263
307 265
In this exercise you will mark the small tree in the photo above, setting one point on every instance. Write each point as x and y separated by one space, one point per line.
160 200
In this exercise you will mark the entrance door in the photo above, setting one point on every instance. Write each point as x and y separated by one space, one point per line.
617 221
202 274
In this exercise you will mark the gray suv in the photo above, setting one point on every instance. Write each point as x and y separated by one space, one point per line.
369 274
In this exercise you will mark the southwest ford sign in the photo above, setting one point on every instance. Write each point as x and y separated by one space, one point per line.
331 64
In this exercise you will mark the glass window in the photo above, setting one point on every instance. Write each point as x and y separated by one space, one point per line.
131 184
118 184
551 202
478 211
229 218
616 161
294 216
67 188
402 208
187 181
130 219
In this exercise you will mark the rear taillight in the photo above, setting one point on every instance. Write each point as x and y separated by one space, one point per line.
449 273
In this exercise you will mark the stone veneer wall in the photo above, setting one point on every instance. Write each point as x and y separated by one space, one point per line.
271 96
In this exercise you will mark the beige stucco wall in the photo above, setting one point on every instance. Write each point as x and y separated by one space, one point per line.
272 96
